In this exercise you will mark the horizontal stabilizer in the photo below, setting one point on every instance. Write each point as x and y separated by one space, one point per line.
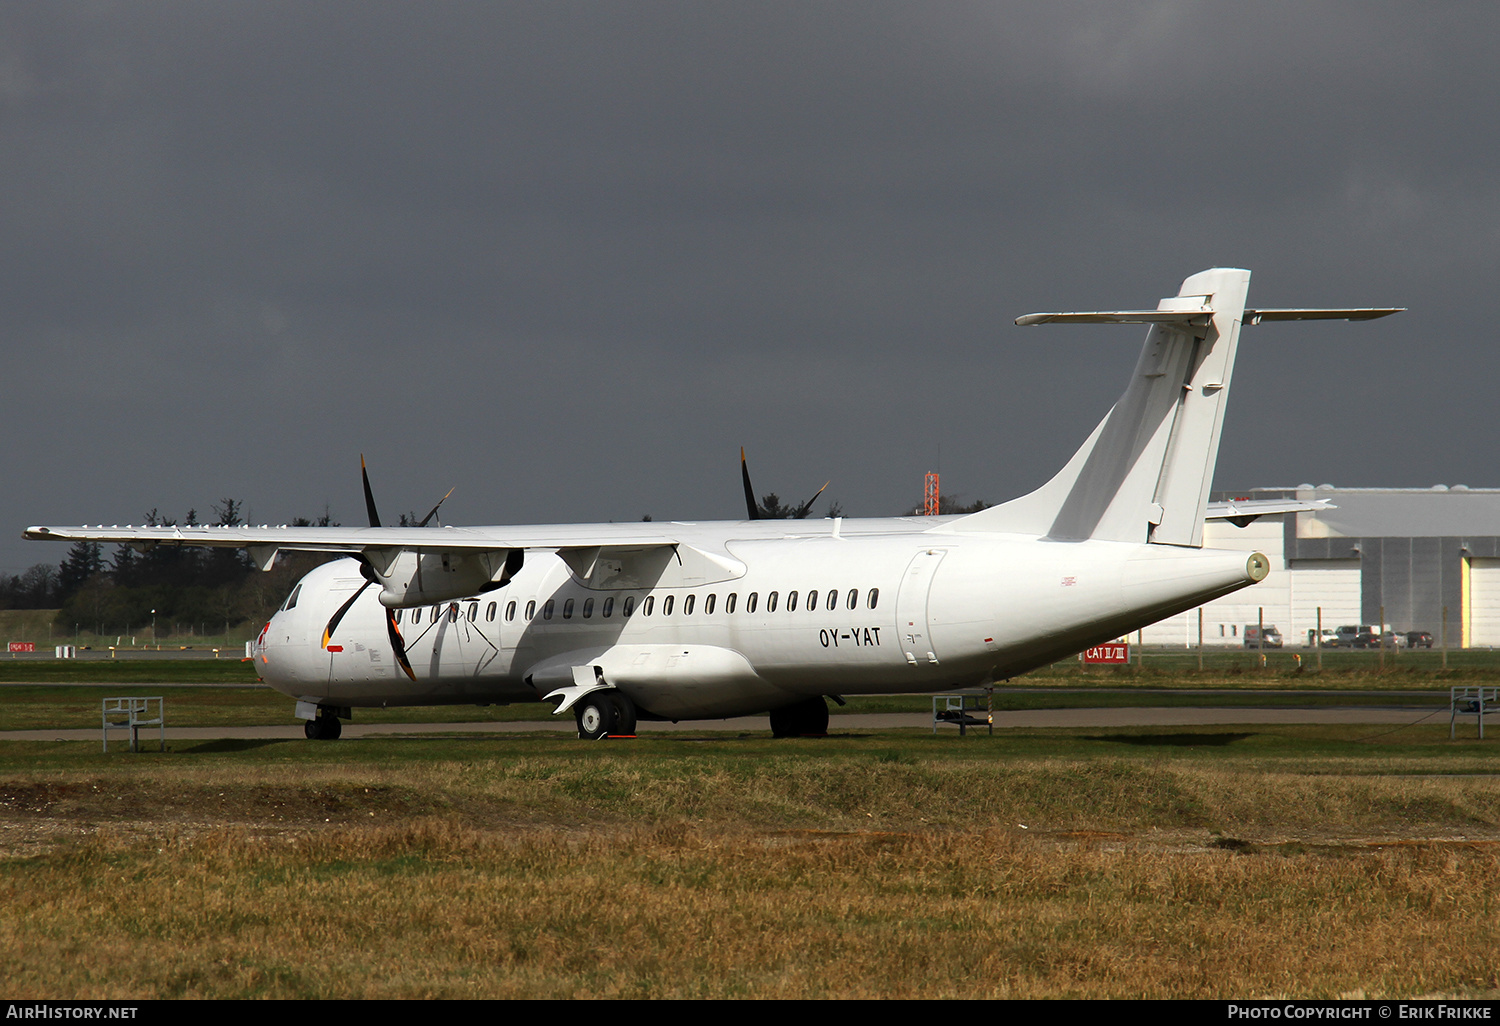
1361 313
1242 512
1181 318
1200 318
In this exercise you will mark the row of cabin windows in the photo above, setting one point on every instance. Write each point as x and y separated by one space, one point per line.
831 600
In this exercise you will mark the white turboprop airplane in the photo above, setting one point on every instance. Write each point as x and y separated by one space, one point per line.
709 620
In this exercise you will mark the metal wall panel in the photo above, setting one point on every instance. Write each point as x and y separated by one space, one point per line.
1483 613
1330 584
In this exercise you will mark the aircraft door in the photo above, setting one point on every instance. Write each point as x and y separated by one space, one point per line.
911 608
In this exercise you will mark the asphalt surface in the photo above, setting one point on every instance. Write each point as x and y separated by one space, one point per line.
1023 719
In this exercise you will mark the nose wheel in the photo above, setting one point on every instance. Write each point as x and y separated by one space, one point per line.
325 728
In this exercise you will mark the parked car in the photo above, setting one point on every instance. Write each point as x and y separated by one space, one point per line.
1253 637
1330 640
1358 636
1418 639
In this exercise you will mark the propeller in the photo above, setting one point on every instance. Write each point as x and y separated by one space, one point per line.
433 511
364 475
772 508
750 505
392 630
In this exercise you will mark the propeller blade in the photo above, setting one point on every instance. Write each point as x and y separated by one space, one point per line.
369 495
806 507
398 644
334 622
433 512
750 505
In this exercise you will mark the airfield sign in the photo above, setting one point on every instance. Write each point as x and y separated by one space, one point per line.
1114 652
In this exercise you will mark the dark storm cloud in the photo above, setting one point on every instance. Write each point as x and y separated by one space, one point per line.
570 256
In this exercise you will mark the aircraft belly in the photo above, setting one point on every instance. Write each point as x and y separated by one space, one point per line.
680 680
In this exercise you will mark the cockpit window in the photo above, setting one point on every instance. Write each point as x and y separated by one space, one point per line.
291 600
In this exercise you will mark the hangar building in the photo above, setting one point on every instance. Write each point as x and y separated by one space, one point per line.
1413 551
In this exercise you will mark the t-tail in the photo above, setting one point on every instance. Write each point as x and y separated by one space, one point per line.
1144 473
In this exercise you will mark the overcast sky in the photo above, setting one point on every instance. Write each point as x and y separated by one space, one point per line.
569 257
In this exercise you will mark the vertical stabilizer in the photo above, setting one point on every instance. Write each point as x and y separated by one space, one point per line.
1144 473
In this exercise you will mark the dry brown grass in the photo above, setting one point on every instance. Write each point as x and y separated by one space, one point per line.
435 908
796 871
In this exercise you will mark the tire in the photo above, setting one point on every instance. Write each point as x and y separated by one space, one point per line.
808 718
598 715
325 728
625 710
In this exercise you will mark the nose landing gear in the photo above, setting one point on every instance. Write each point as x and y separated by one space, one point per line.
325 727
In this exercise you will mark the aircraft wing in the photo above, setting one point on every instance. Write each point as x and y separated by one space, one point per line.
379 542
1241 512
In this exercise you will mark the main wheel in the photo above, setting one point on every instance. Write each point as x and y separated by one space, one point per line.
597 715
808 718
625 723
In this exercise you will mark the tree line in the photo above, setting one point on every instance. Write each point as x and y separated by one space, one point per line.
126 590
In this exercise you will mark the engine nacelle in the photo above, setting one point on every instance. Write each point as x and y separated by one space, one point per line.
420 577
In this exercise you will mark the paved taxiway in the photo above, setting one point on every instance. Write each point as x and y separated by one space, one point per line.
1024 719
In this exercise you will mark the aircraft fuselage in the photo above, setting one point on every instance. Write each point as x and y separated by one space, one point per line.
777 613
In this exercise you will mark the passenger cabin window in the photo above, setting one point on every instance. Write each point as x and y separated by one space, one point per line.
853 598
750 602
474 611
609 607
666 605
791 602
687 606
729 601
629 605
416 616
547 610
771 602
588 608
833 600
874 597
812 601
646 605
453 613
489 613
568 609
708 606
437 611
530 609
510 610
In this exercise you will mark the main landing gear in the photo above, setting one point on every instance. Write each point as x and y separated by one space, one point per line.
325 728
603 713
808 718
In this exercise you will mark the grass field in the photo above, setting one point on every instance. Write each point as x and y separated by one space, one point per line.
1216 862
